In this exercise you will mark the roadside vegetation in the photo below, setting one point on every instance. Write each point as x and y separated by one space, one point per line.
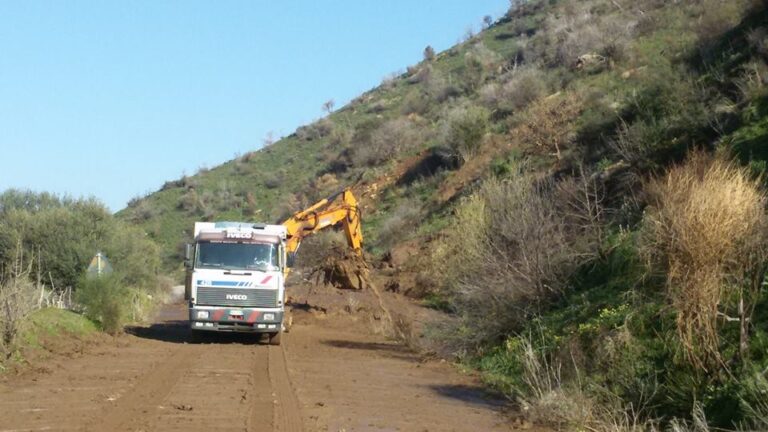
46 245
585 184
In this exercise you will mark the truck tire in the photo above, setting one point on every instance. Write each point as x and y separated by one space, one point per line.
274 338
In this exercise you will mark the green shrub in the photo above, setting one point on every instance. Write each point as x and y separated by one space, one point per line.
60 238
516 90
464 129
389 141
399 224
105 300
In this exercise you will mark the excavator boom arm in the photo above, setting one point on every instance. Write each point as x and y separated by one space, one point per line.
340 208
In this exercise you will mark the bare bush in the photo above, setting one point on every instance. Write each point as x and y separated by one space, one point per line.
549 124
388 141
490 95
514 246
316 130
479 62
324 185
390 80
143 211
190 201
273 180
415 102
399 223
18 297
287 206
419 74
580 30
439 88
17 300
706 229
341 136
517 90
525 85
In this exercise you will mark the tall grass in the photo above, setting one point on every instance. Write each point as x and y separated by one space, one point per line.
706 228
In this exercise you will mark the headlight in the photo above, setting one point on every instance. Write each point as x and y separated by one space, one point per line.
202 314
269 317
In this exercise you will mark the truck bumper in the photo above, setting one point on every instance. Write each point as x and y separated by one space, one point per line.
232 319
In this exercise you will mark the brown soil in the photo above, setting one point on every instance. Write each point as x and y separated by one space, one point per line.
331 374
342 268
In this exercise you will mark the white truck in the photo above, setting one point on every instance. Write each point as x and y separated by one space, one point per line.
236 278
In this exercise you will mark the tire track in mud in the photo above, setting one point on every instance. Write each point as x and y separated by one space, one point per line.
261 411
128 412
287 413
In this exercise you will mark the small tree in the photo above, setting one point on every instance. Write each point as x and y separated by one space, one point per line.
487 21
429 53
328 106
268 140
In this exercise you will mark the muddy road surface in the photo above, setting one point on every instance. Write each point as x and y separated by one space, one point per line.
329 375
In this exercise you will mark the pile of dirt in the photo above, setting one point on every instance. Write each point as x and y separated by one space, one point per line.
344 269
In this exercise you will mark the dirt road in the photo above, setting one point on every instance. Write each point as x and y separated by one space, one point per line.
327 376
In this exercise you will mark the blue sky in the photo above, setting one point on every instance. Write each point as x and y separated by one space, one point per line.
112 98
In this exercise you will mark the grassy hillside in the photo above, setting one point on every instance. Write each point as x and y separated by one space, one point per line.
639 63
581 186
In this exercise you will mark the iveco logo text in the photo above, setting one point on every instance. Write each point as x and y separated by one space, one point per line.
237 297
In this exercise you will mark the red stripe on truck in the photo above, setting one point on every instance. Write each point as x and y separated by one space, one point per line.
266 279
218 314
254 315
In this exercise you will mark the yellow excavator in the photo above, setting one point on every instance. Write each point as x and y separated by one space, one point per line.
339 208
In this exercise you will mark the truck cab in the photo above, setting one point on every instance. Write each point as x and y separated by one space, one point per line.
235 278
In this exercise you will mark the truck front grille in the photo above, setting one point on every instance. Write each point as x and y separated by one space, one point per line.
216 296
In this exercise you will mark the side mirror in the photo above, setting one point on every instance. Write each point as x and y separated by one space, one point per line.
291 259
188 252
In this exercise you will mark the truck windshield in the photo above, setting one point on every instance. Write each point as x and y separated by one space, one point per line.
237 256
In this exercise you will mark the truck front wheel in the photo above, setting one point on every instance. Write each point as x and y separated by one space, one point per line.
274 338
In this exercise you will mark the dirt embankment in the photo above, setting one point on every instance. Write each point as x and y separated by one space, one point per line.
331 374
